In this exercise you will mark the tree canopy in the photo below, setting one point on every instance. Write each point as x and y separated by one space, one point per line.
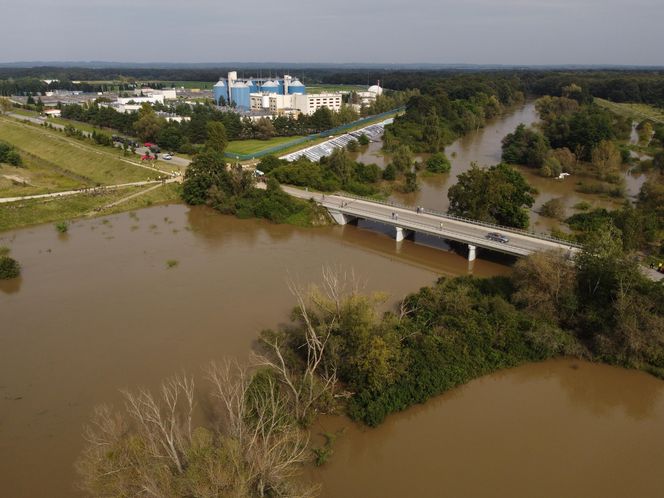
499 194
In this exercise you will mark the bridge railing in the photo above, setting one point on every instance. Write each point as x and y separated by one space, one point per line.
493 226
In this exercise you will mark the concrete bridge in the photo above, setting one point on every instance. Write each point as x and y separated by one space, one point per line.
406 220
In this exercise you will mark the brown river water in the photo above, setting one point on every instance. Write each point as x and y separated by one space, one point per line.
97 310
484 147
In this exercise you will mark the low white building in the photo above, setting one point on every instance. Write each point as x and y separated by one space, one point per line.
368 97
295 103
152 99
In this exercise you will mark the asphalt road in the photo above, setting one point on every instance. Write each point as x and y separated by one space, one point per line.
433 224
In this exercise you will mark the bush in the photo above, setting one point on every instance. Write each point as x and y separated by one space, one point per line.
363 140
553 208
9 155
62 226
582 206
390 173
438 163
353 146
9 268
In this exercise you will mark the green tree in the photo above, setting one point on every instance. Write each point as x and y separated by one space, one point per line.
431 134
606 158
402 159
341 165
264 129
410 182
208 169
216 137
499 194
148 125
390 172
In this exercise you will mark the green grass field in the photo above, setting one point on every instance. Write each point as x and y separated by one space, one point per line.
54 152
255 146
24 112
36 211
335 88
636 111
78 125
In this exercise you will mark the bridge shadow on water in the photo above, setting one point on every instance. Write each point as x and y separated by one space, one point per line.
439 243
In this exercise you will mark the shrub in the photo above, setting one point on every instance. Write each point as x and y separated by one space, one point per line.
438 163
171 263
353 146
390 172
553 208
9 268
9 155
363 140
582 206
62 226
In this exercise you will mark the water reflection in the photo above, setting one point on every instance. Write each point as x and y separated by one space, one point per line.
11 286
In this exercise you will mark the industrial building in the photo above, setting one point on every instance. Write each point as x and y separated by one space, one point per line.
275 104
238 91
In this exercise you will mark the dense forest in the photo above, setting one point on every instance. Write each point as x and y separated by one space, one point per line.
628 85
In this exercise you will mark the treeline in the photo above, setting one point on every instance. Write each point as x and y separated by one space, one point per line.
186 136
448 108
618 86
35 86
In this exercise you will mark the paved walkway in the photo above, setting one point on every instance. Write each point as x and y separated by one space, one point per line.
90 190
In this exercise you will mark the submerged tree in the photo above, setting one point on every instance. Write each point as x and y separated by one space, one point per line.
499 194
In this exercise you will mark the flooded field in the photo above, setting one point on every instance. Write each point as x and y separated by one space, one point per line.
97 310
559 428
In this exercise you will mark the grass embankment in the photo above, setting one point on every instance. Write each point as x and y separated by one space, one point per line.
255 146
53 152
636 111
36 211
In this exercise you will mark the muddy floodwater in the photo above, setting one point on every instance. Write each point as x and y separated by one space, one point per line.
556 429
483 146
97 310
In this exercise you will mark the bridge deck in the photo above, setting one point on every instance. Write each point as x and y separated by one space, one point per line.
520 244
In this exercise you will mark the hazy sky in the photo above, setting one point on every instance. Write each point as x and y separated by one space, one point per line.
399 31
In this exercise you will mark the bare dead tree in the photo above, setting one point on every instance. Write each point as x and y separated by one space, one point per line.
272 447
164 423
140 453
307 384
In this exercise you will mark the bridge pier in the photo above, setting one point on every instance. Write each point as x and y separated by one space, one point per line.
401 233
339 217
472 252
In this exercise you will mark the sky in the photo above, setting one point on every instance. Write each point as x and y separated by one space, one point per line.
511 32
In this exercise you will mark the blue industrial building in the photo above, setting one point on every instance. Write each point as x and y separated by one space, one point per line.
232 90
